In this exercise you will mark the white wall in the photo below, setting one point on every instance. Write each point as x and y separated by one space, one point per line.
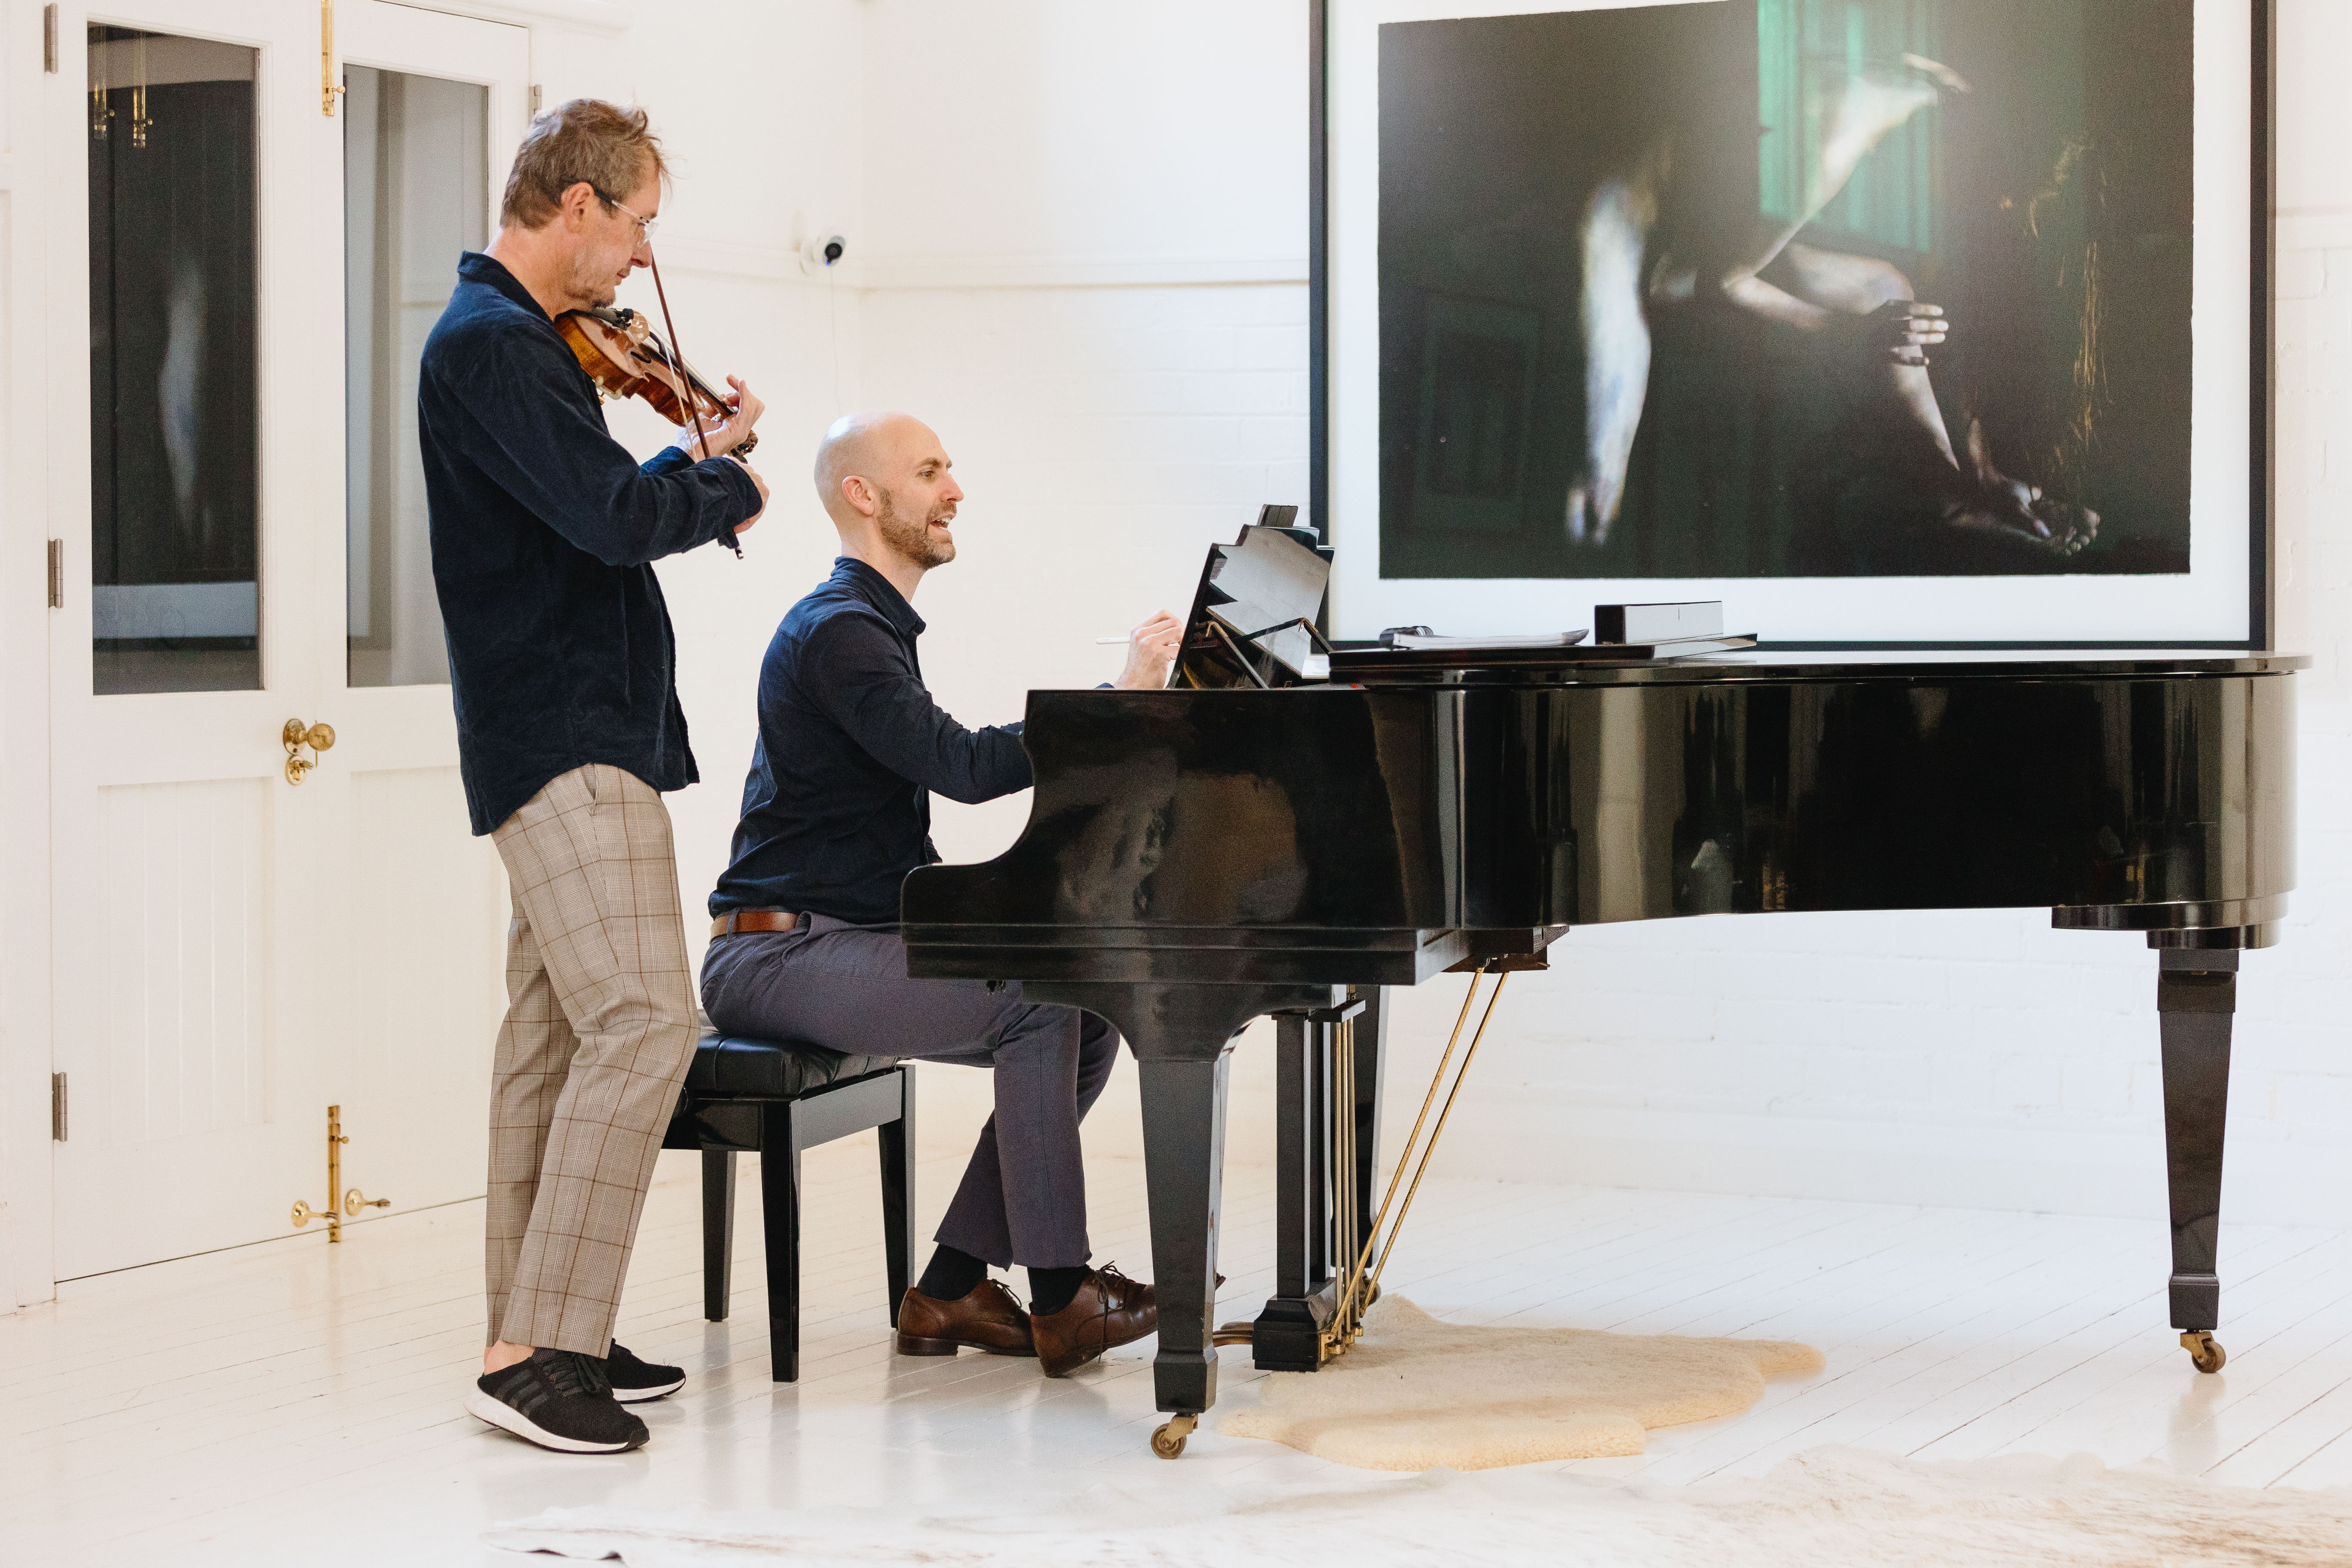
758 105
1107 433
1087 264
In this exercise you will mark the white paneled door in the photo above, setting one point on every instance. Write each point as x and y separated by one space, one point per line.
237 947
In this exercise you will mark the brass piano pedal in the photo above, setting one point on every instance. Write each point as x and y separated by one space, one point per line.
1168 1442
2203 1352
1235 1333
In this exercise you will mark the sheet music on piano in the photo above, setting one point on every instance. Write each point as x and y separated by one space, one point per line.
1253 618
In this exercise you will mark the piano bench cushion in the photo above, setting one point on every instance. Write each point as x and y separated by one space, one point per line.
729 1065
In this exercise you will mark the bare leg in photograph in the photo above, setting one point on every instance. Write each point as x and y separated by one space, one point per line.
1864 301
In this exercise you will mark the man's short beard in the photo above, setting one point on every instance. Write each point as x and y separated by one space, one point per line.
911 537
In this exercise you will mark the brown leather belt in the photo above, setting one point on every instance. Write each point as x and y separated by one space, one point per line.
754 919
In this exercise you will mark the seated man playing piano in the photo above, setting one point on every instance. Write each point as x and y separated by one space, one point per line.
804 940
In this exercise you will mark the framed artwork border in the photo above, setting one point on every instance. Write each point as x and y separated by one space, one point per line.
2261 525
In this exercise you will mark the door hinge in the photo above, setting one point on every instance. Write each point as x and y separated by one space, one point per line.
56 574
534 101
57 1107
49 39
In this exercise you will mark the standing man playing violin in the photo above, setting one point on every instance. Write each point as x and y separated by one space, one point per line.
562 667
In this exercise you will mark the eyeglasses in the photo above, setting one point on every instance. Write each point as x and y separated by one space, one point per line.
644 224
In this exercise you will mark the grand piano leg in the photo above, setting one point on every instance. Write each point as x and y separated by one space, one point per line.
1180 1034
2196 996
1184 1163
1288 1335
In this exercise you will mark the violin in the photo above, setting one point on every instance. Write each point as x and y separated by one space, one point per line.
624 357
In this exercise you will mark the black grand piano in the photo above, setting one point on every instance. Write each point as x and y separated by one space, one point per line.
1198 857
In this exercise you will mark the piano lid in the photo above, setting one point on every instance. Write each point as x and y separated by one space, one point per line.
1364 665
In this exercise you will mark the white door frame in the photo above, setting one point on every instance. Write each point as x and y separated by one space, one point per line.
27 427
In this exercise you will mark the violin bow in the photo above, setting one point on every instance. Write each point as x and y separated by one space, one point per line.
675 352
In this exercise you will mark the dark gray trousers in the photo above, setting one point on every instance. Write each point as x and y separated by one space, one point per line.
1023 1195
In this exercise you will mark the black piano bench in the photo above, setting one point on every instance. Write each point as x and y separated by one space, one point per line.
775 1098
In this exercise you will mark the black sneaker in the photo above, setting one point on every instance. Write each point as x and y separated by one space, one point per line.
560 1400
634 1380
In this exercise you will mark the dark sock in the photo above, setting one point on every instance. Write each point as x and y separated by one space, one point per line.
1051 1289
952 1274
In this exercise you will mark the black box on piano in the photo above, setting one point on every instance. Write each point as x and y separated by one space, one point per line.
1656 623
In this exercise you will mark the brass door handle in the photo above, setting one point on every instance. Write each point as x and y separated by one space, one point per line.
319 737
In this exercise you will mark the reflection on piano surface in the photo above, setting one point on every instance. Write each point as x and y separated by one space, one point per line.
1196 859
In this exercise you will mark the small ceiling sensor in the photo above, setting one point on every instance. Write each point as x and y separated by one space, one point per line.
822 251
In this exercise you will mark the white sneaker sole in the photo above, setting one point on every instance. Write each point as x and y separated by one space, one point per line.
640 1395
505 1417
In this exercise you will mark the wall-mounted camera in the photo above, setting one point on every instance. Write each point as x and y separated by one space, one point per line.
819 254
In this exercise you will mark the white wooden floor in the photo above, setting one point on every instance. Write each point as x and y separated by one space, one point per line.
295 1402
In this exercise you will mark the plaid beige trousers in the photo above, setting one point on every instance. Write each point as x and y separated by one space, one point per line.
600 1028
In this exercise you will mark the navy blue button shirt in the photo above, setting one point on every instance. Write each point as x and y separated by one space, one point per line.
838 808
543 528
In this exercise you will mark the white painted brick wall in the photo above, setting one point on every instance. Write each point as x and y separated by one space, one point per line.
1105 438
1107 435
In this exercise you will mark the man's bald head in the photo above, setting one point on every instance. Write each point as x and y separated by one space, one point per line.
861 446
884 481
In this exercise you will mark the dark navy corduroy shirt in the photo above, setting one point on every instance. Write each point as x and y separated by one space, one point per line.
543 531
838 808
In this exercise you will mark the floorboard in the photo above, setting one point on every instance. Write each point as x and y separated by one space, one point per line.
292 1400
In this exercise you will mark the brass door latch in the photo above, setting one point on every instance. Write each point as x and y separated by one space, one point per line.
319 737
329 88
353 1201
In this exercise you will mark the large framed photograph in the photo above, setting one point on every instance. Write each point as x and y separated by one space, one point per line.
1887 322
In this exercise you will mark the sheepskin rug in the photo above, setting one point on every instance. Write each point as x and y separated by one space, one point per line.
1415 1393
1828 1506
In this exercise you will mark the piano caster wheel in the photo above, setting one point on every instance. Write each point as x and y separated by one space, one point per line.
2203 1352
1168 1441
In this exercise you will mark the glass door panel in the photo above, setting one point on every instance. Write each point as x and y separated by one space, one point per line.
175 599
415 194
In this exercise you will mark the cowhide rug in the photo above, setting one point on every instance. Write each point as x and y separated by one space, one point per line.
1415 1391
1830 1506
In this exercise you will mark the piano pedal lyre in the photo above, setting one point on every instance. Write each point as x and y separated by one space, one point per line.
1360 1287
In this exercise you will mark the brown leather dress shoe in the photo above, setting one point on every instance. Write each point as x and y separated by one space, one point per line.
990 1319
1109 1310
